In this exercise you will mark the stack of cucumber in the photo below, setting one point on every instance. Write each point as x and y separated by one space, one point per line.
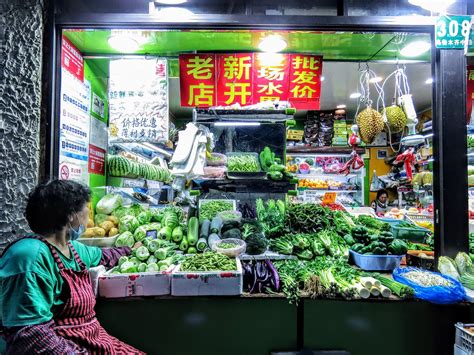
124 167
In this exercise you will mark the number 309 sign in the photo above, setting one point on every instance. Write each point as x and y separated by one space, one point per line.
453 31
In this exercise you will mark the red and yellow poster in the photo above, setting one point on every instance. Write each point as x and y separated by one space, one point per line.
198 80
305 81
250 78
234 79
271 77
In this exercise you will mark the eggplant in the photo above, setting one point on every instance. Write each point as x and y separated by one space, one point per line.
275 275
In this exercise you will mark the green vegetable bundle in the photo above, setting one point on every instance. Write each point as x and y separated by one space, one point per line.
373 224
308 218
208 261
209 209
243 163
153 256
271 215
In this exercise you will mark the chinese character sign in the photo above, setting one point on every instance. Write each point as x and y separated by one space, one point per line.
271 77
138 100
234 83
305 81
198 79
249 78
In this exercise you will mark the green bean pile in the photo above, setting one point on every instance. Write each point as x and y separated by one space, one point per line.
209 261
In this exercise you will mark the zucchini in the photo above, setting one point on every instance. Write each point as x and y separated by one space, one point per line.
193 231
205 226
216 225
165 233
213 238
184 244
177 234
201 245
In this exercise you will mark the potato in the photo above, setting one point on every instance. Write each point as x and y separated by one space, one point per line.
90 223
114 220
107 225
89 233
113 231
99 232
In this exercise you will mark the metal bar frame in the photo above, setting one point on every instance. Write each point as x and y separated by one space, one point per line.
445 219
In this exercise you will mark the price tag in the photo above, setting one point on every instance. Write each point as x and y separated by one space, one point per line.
152 233
154 184
133 183
451 32
329 197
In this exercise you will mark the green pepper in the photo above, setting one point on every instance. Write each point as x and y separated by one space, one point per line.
275 175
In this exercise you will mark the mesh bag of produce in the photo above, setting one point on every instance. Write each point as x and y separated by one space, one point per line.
431 286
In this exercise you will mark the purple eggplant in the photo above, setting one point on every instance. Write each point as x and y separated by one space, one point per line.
275 275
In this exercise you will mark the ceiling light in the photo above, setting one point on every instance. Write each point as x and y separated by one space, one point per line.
355 95
414 49
173 14
433 5
170 2
341 106
429 81
272 44
322 78
236 124
375 79
123 43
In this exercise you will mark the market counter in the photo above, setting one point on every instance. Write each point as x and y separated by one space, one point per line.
260 325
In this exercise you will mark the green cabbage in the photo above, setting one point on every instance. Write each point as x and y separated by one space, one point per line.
156 214
136 209
128 223
122 211
99 218
108 203
125 240
144 217
447 266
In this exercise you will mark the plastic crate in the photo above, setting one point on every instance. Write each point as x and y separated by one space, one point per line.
375 262
417 234
391 221
464 339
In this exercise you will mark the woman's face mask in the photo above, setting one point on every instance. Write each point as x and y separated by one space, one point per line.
76 233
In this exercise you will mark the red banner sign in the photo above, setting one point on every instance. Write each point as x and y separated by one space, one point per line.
198 79
96 160
71 59
470 92
234 79
249 78
271 77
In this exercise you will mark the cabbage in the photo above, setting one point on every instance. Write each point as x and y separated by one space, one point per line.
108 203
136 209
447 267
122 211
156 214
99 218
463 263
128 223
144 217
140 232
125 240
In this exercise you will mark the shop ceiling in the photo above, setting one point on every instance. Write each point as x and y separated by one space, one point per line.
342 53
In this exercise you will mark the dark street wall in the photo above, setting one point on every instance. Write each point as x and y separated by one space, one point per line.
21 35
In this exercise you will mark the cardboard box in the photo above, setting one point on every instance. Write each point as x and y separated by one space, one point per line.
133 285
212 283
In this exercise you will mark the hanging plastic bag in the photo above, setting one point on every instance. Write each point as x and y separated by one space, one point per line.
376 184
454 293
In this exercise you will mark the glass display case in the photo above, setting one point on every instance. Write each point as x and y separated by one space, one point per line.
320 173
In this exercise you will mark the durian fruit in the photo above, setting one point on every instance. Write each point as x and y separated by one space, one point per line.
396 118
370 124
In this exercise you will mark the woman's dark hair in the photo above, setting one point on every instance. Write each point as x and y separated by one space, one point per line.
50 204
381 192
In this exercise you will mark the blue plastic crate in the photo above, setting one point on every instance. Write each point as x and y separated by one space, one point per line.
375 262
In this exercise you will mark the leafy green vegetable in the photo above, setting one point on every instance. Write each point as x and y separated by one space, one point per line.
210 209
144 217
142 253
373 223
125 239
128 224
240 163
128 267
108 203
256 243
271 216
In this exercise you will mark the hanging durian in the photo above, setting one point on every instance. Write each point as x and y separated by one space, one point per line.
370 124
396 118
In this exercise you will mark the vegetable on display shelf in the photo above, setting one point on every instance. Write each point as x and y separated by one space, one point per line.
260 277
271 215
208 209
243 163
208 261
123 167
